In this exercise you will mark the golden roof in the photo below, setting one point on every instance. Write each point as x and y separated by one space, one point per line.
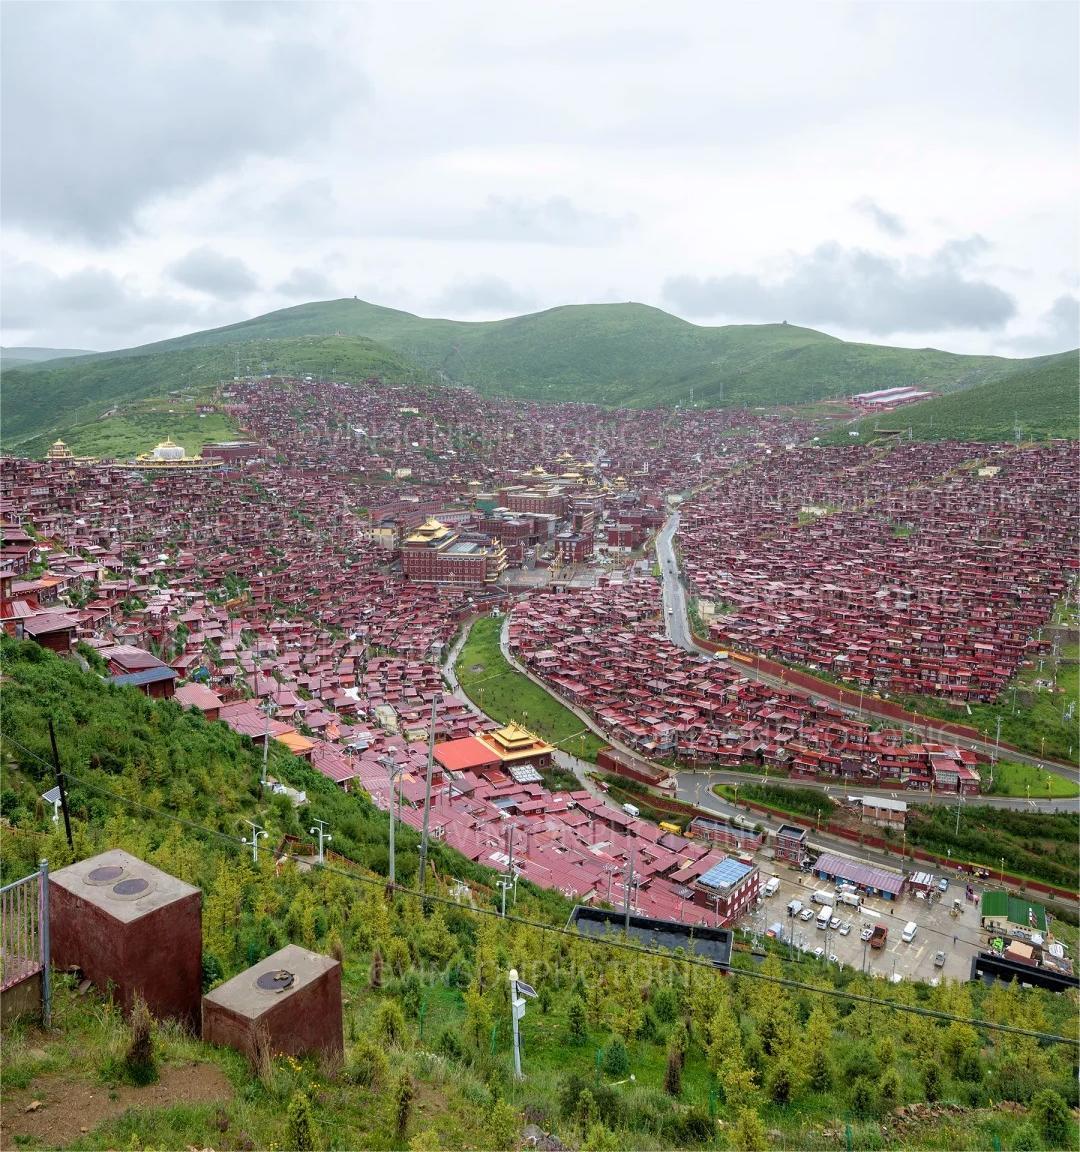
428 532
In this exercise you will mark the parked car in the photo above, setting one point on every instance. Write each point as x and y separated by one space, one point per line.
806 914
943 885
939 959
833 958
844 928
866 933
819 953
834 923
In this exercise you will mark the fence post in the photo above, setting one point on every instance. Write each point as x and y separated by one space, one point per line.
43 941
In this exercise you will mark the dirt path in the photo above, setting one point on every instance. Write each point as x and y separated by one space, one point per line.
72 1105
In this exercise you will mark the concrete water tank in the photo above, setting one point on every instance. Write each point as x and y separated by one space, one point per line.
295 994
124 921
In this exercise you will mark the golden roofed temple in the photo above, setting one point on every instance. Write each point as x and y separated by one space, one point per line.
430 534
60 453
513 743
170 457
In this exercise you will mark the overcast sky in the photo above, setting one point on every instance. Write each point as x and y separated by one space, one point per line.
901 173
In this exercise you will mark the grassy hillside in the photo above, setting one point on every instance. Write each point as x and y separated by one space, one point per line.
623 1049
619 354
1042 396
83 390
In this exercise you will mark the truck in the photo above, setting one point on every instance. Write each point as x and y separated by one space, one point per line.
772 887
879 935
794 907
851 898
821 897
824 916
631 810
670 826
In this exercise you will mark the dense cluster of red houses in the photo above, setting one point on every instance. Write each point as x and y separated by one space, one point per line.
605 650
923 569
271 594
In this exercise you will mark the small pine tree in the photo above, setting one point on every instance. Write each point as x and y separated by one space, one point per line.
750 1134
402 1101
501 1131
932 1081
616 1059
890 1089
1050 1115
368 1065
301 1124
862 1099
575 1021
820 1072
587 1113
600 1139
390 1023
779 1085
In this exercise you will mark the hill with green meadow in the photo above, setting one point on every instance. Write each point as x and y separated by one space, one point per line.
613 354
623 1048
1040 399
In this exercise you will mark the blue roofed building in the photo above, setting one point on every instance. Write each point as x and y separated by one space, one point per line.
729 887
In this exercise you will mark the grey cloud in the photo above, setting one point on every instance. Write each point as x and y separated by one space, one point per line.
95 306
1058 329
307 284
483 294
203 269
556 220
857 289
888 222
152 99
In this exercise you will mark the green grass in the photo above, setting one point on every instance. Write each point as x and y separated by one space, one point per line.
614 354
137 429
1038 728
505 695
1039 395
1028 781
82 389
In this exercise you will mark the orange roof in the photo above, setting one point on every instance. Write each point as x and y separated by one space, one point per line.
466 752
295 743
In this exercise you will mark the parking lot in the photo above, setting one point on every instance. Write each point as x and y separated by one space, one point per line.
958 938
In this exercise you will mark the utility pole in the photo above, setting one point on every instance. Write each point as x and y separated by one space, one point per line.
321 833
997 749
394 771
253 843
626 894
269 708
959 799
427 798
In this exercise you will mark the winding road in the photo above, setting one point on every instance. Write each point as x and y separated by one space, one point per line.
679 632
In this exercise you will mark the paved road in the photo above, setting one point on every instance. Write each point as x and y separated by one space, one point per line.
678 630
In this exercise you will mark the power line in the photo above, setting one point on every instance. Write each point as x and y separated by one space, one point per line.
604 941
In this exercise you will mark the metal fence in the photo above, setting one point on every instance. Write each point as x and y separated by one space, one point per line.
24 934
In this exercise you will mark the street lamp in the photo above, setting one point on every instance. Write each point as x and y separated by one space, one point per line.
394 771
1001 874
320 831
253 843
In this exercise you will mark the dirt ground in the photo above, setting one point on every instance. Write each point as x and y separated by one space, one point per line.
71 1105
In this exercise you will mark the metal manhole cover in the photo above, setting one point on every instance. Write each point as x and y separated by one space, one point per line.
276 981
106 874
129 889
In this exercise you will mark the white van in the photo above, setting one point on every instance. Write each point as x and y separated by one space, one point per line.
821 897
631 810
772 887
824 916
908 934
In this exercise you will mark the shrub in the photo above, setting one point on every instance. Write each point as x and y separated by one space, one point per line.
301 1125
1050 1115
449 1045
863 1103
368 1066
673 1071
501 1130
576 1023
140 1062
1026 1139
402 1101
616 1059
932 1081
665 1003
390 1023
750 1135
780 1084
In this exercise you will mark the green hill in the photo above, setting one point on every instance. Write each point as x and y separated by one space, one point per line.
1041 397
617 354
80 392
623 1049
